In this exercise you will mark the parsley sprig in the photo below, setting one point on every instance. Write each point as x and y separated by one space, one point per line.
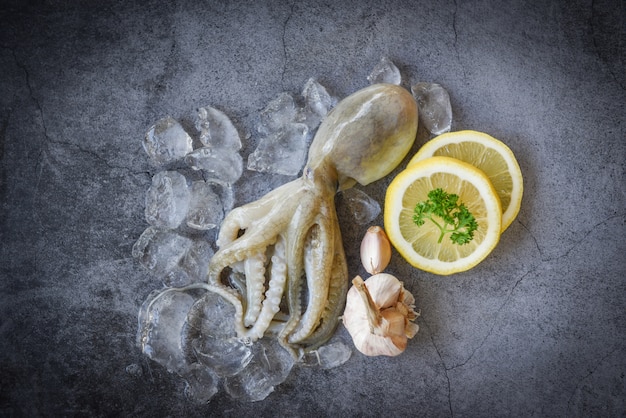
445 211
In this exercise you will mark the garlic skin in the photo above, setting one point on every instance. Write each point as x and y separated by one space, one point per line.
375 250
379 315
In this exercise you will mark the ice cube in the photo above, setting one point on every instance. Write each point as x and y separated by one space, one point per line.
166 141
167 199
160 250
216 129
216 163
333 355
317 103
211 336
161 320
278 113
435 111
358 205
385 72
225 193
270 366
283 152
192 267
201 384
205 208
328 356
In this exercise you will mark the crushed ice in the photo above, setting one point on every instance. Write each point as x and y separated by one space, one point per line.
385 72
435 111
167 200
357 205
167 141
216 129
287 129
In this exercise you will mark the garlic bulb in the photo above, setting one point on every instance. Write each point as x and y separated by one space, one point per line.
375 250
379 315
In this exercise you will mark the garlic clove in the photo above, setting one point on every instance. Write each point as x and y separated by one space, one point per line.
376 345
378 320
387 289
375 250
411 329
393 322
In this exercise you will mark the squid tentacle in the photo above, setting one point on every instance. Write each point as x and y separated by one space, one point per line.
242 218
255 239
236 251
317 269
254 268
234 298
274 293
336 296
297 232
245 216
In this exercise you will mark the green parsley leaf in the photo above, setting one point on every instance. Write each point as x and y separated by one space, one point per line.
450 216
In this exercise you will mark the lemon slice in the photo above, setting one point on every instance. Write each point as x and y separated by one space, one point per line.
489 155
419 244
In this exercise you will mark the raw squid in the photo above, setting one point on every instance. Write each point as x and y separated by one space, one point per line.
281 260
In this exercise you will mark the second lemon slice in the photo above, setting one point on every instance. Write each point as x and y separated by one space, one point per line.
419 244
488 154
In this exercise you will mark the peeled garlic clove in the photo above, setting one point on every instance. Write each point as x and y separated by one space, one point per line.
375 250
376 316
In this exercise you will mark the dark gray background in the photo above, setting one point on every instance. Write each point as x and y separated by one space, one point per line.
537 329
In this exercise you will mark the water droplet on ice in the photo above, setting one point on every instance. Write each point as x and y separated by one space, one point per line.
160 250
167 199
357 204
216 129
166 141
385 72
283 152
435 111
216 163
269 367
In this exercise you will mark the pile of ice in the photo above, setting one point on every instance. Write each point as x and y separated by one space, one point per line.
189 195
185 331
287 128
185 327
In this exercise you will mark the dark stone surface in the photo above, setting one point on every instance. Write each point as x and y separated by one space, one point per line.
537 329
